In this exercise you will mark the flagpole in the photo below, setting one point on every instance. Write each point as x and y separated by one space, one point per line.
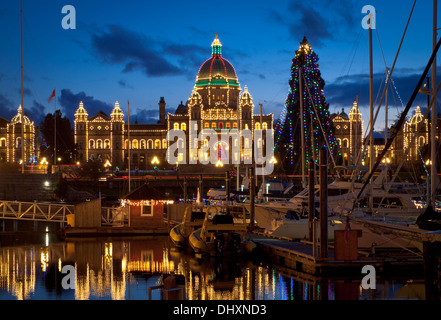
55 128
22 108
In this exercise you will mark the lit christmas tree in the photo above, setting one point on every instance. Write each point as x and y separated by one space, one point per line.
287 130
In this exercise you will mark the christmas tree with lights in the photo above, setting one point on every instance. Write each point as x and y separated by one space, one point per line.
315 118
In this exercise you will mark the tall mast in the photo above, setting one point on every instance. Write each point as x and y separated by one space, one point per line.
22 108
433 118
371 110
128 137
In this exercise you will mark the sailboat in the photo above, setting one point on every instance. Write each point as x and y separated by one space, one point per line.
286 218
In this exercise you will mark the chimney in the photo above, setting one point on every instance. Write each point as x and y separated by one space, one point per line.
161 111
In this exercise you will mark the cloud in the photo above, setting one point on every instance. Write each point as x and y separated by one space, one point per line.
123 84
148 115
70 101
342 92
330 23
36 113
7 107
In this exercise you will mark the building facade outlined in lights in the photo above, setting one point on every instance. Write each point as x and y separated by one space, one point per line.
217 102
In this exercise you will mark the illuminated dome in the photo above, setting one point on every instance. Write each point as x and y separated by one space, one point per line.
216 70
245 98
417 117
117 113
18 118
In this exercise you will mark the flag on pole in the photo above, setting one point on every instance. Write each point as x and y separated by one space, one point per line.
52 96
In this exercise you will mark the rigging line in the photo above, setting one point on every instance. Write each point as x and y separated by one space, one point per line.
381 49
412 141
321 127
352 61
403 115
396 57
400 121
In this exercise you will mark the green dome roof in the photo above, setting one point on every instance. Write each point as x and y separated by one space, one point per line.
216 70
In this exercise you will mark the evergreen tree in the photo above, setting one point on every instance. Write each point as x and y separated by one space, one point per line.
315 108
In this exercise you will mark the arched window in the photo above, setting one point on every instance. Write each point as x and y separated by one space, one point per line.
91 144
3 142
99 144
150 144
157 144
126 144
164 144
421 141
206 125
183 126
213 125
134 144
264 126
221 125
107 144
18 142
345 143
176 126
234 125
142 144
227 125
257 126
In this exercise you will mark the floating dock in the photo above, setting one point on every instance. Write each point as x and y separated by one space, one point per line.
300 256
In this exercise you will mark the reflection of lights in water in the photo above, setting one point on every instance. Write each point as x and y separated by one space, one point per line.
47 237
44 259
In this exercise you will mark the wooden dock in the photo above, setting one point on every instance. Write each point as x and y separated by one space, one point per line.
299 256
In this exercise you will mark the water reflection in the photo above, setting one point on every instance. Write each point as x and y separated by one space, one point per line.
126 269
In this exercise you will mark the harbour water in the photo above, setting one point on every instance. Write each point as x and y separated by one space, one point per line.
125 269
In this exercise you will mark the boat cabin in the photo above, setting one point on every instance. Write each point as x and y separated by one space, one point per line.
146 206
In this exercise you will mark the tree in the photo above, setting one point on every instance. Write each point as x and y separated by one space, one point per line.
315 108
66 149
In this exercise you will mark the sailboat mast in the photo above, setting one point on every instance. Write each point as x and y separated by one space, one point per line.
22 108
371 110
433 118
128 137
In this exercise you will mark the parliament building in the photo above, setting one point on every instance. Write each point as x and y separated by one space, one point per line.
217 102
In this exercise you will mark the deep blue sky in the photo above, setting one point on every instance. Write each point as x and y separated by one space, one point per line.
142 50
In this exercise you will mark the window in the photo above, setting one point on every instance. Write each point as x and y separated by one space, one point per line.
213 125
2 142
107 144
134 144
142 144
345 143
257 126
146 210
157 144
150 144
206 125
18 142
421 141
227 125
221 125
234 125
183 126
164 144
126 144
176 126
99 144
264 126
91 144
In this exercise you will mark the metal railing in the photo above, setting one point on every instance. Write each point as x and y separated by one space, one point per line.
49 212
